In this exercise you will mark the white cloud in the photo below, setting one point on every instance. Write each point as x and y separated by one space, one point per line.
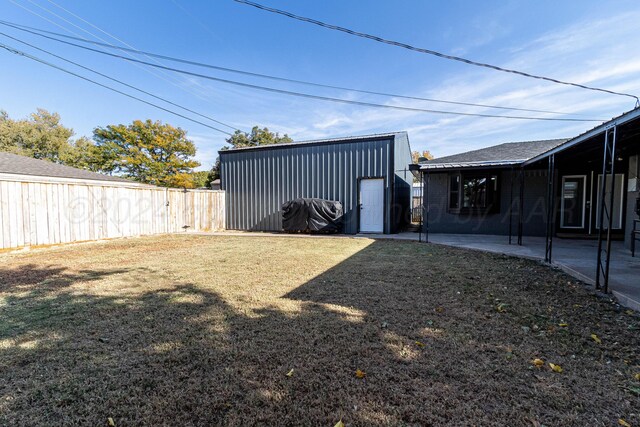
596 52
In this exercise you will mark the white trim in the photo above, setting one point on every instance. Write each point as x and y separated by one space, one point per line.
584 201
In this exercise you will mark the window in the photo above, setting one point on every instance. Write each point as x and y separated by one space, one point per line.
474 193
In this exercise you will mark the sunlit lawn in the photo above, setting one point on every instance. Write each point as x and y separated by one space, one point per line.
210 330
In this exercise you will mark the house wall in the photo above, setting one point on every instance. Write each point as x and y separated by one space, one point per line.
403 181
257 182
632 194
535 186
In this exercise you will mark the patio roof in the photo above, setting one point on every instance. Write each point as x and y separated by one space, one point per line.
616 121
520 153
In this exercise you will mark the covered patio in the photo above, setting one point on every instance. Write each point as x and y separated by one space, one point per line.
573 202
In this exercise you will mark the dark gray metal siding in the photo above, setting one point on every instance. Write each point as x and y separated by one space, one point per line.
403 181
534 220
257 182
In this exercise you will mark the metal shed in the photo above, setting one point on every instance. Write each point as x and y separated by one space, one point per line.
368 174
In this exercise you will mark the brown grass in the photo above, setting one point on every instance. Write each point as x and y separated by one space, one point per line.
201 330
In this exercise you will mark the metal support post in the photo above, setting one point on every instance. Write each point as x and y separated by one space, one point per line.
551 204
606 207
521 207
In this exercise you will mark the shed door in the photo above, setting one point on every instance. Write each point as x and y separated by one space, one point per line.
372 205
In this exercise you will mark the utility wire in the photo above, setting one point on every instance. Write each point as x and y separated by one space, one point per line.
427 51
42 61
167 77
194 17
108 34
38 32
326 98
119 81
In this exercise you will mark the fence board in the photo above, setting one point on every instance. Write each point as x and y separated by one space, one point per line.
41 213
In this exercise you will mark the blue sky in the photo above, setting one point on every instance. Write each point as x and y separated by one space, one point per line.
589 42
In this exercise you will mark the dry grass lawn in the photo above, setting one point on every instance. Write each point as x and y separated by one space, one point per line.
203 330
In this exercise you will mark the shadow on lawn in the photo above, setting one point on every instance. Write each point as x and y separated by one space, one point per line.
181 355
31 277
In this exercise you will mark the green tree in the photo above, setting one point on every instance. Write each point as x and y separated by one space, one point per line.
416 156
200 179
214 173
241 139
83 154
41 136
149 152
257 137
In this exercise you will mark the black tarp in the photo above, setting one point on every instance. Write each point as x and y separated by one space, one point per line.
312 215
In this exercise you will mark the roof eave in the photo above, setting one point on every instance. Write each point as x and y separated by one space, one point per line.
318 141
624 118
471 165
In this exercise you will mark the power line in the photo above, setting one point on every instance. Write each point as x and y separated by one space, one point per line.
119 81
195 18
42 61
108 34
38 32
177 83
324 98
427 51
158 75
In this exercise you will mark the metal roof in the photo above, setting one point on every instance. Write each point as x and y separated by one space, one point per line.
21 165
507 154
359 138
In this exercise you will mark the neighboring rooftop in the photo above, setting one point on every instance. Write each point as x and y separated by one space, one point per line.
510 153
22 165
376 136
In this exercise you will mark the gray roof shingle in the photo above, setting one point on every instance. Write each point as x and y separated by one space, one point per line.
22 165
510 153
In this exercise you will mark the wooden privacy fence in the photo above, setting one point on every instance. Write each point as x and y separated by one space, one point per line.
45 213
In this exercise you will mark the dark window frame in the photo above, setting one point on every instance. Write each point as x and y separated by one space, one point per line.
454 201
455 198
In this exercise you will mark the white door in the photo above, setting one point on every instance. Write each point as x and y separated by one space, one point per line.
372 205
